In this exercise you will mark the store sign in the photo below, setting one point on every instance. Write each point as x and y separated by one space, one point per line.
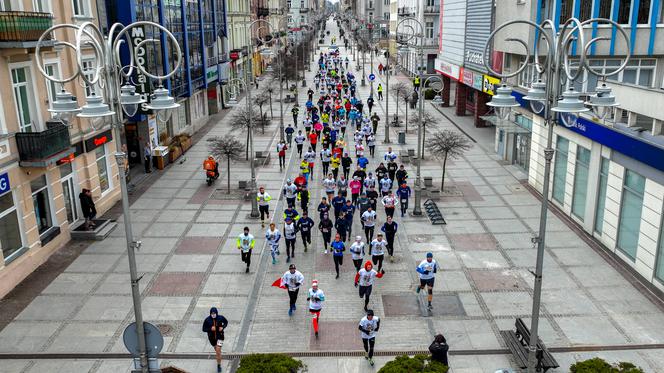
448 69
474 57
479 22
490 84
478 81
467 77
141 80
212 73
98 140
4 183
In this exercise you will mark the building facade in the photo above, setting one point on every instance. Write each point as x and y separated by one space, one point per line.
608 174
427 13
45 162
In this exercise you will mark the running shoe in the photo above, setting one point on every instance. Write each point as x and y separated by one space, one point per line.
417 290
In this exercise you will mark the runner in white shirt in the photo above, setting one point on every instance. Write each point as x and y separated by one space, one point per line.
385 185
329 184
290 192
378 251
292 280
263 198
316 297
390 155
365 278
369 220
357 252
272 235
369 325
299 141
427 271
390 202
359 149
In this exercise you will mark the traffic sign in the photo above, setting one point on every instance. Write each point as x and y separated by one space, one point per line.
153 339
372 77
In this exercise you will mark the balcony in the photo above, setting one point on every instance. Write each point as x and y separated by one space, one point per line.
432 9
304 10
406 11
262 12
41 149
23 29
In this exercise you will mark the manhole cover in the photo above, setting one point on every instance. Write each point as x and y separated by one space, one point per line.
165 329
224 195
516 188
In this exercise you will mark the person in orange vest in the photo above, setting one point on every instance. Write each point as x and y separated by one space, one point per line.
211 165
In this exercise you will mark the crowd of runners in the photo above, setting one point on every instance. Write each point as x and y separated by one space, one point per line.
337 135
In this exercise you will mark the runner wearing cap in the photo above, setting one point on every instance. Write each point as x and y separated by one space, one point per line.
292 280
427 272
365 278
369 326
316 297
290 235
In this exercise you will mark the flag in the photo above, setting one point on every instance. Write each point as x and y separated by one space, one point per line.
279 283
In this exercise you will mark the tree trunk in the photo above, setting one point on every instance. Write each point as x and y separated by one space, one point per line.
228 173
424 135
262 119
406 117
246 148
442 182
271 112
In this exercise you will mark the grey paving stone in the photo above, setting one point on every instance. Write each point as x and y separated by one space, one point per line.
22 337
590 330
508 304
51 308
165 230
182 216
73 283
483 259
62 366
165 308
93 263
146 203
144 263
506 226
84 337
467 334
207 230
105 308
119 283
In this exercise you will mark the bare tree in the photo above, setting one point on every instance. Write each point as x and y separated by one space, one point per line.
447 144
240 121
260 100
399 90
270 86
427 120
226 147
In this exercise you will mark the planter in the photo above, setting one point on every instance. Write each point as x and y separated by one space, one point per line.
186 144
174 153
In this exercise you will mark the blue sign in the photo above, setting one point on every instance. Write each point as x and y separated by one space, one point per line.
372 77
4 183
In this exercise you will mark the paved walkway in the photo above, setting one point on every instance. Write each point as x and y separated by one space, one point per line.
190 263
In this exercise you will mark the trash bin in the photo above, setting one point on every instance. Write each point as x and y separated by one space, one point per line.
428 181
401 137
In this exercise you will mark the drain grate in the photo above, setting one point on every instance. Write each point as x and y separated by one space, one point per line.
165 329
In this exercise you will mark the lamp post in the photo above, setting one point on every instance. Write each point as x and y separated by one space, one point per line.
411 30
119 99
546 99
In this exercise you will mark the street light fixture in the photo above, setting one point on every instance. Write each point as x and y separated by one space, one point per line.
109 75
503 102
129 100
556 69
602 102
64 106
162 103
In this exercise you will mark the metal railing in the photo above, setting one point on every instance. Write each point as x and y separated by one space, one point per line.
432 9
38 146
406 11
23 26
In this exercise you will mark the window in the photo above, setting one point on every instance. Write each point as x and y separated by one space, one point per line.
430 2
643 16
102 168
581 182
560 169
585 10
639 71
624 7
41 6
605 8
629 223
52 70
81 8
566 8
89 71
659 269
24 99
428 30
601 195
10 231
41 203
386 16
661 14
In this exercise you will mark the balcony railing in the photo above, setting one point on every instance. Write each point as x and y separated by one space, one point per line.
41 149
406 11
23 29
432 9
262 12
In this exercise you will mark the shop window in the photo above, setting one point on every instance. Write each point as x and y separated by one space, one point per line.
581 182
601 195
10 231
560 169
629 223
659 269
103 169
42 203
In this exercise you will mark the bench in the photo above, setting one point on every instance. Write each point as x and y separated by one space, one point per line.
433 212
518 342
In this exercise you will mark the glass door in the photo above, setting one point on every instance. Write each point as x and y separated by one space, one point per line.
522 153
69 191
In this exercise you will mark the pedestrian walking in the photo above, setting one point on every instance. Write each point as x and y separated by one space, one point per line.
323 207
316 297
147 157
310 158
375 119
292 280
390 202
290 236
369 326
365 278
245 243
325 226
371 143
263 198
290 192
390 155
355 187
427 271
342 186
214 326
272 236
299 142
291 212
439 349
357 252
304 226
390 228
338 248
368 222
295 111
289 134
338 203
370 103
313 140
88 208
378 251
334 165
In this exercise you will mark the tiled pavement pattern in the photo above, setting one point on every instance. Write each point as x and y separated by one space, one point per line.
190 263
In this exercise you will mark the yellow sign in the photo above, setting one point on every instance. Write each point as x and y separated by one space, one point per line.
490 84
